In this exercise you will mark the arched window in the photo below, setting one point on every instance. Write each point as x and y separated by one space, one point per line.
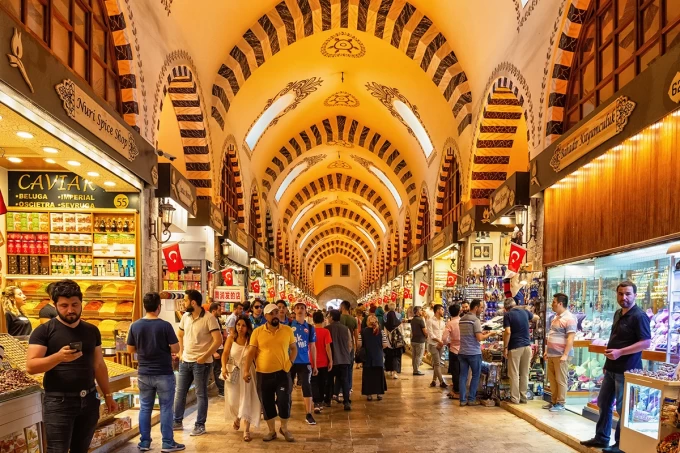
252 218
426 223
228 187
452 194
619 39
77 32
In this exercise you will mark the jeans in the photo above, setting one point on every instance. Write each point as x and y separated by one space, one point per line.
473 362
417 352
70 422
519 362
611 391
342 375
436 355
217 371
274 392
454 368
149 386
319 385
197 373
350 378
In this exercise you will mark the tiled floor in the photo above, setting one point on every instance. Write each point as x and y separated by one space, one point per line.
412 417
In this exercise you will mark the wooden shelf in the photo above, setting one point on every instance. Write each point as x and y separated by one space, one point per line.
73 277
27 254
582 343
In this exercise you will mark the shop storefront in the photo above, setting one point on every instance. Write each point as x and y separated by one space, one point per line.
73 176
261 274
420 277
446 279
618 170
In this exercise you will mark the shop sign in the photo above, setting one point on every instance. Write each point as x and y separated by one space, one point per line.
208 215
172 184
401 269
674 90
466 224
228 294
57 190
261 254
238 236
479 219
513 192
418 256
442 240
606 124
502 199
89 114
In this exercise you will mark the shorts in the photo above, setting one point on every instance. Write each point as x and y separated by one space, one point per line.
303 371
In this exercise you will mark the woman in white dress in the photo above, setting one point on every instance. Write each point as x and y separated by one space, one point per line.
241 400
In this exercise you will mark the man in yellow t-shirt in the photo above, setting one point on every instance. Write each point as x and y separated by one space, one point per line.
273 348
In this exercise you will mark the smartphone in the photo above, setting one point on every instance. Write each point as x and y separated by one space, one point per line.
77 345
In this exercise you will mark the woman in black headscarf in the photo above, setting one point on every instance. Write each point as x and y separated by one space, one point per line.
396 343
372 343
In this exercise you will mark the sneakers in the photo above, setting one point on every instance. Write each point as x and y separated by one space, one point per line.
317 408
198 430
594 443
177 426
612 449
310 420
557 408
473 403
348 407
547 406
269 437
287 435
444 385
418 373
144 446
433 384
395 376
463 403
523 401
172 447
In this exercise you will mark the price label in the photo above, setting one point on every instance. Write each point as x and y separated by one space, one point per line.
121 201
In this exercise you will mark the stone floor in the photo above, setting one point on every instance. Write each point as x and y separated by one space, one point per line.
412 417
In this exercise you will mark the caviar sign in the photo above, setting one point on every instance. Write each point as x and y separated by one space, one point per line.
54 190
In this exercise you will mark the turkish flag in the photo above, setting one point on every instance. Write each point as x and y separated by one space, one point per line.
291 298
3 208
407 293
173 258
255 287
422 289
282 295
517 254
451 279
393 296
228 276
385 300
271 292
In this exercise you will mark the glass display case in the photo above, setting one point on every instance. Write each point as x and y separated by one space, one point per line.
646 405
591 288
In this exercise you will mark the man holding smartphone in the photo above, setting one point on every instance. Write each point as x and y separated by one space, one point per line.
68 350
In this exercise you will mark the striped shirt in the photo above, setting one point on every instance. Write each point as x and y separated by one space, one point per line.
560 327
469 326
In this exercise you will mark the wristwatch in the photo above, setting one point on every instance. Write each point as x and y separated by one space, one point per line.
108 394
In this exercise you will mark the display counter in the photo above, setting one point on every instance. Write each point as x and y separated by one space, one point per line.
649 405
21 421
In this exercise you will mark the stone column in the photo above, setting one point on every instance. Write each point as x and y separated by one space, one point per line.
536 217
151 251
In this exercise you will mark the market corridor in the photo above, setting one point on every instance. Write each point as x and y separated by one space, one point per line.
412 417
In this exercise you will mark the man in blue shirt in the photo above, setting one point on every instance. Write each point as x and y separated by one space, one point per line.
304 365
517 348
283 312
154 341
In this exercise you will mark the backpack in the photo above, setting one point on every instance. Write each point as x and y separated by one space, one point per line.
396 339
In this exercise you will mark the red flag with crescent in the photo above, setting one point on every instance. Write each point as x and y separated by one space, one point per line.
407 293
291 298
422 289
255 287
393 296
271 292
516 258
173 258
3 208
228 276
282 295
451 279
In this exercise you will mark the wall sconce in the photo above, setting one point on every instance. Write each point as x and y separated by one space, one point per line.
166 211
521 220
225 248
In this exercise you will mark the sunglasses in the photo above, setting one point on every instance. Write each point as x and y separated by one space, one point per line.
257 307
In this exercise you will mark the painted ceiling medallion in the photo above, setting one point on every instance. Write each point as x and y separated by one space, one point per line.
340 164
341 99
343 143
343 44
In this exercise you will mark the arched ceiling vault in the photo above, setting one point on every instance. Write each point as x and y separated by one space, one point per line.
336 242
350 226
328 249
332 232
333 214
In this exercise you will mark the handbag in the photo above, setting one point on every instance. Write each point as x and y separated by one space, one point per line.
235 373
396 339
361 355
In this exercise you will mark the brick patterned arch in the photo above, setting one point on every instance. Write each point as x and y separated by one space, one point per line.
256 210
336 230
230 158
320 255
340 182
182 90
127 66
501 117
407 237
558 67
341 213
279 243
450 162
331 243
423 211
270 231
346 132
395 21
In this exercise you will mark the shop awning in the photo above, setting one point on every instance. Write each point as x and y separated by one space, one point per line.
172 184
513 193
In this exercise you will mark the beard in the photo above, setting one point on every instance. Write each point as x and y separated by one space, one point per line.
69 319
275 322
189 309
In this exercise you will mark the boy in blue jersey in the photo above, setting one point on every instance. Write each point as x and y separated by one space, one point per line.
304 365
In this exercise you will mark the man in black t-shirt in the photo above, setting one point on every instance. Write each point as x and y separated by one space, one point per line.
68 350
154 341
418 339
630 336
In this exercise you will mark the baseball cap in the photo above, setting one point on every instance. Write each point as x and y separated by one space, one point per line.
299 303
270 308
